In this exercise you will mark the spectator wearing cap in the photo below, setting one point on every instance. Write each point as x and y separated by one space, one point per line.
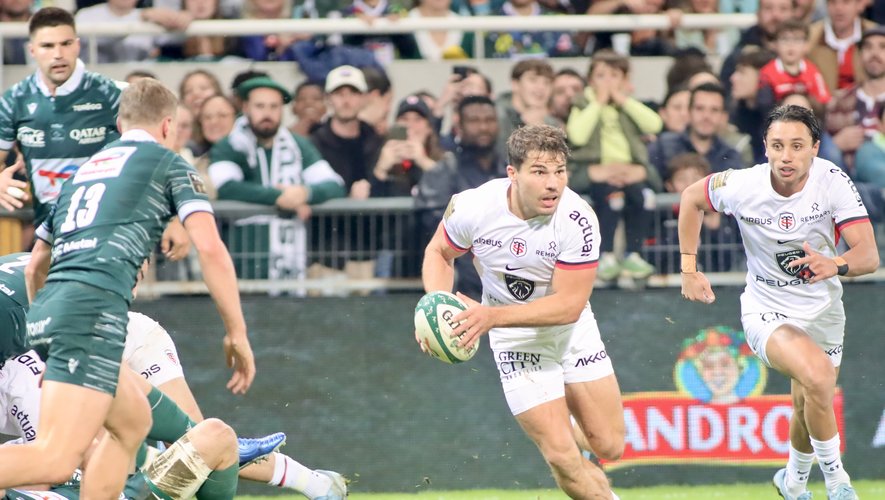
262 162
349 144
412 147
853 113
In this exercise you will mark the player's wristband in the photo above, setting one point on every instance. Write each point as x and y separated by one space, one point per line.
841 266
688 263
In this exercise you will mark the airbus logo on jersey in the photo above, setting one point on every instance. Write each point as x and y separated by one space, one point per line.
520 288
756 220
31 138
89 106
89 135
586 232
487 241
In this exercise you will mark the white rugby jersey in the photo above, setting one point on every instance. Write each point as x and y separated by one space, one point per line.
20 396
515 258
774 228
138 330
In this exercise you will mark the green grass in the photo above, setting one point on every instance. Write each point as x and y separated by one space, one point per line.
866 490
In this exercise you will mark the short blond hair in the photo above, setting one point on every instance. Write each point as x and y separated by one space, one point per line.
147 102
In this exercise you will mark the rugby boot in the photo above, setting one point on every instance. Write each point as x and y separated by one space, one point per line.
780 484
338 490
254 449
842 492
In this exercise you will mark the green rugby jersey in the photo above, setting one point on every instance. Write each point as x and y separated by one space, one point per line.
112 212
57 134
12 314
12 277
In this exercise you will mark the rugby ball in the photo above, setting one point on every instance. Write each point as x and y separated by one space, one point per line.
434 324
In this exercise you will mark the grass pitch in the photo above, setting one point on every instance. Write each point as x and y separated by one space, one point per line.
866 490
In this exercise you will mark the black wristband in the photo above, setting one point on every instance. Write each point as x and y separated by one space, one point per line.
842 270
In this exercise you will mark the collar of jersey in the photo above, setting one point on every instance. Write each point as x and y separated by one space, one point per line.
68 86
137 135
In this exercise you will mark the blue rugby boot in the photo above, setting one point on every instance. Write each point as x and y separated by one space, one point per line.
254 449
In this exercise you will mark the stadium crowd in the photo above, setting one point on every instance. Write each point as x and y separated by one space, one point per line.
350 140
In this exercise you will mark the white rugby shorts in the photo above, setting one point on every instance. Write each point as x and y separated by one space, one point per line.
534 370
827 329
151 353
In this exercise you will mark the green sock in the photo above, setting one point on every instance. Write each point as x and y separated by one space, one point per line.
170 422
220 485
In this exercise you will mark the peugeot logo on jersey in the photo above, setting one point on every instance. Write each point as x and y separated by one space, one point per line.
784 259
520 288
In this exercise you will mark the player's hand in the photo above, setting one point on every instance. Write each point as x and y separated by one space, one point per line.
175 243
819 267
696 287
475 321
238 355
11 189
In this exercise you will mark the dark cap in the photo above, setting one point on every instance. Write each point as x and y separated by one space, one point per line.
874 31
262 82
416 104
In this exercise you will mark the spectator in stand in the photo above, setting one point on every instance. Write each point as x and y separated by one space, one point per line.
214 121
869 163
508 44
475 161
791 71
114 49
833 43
610 161
15 49
412 147
308 106
202 48
275 47
439 45
769 16
385 47
238 80
197 86
262 162
643 42
706 111
710 41
567 84
727 132
526 103
674 110
853 114
748 110
138 74
463 82
379 99
809 11
349 144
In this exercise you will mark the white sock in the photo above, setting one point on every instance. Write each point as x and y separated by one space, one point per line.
798 469
288 473
830 462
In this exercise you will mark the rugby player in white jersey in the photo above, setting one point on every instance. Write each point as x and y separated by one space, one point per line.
536 244
791 212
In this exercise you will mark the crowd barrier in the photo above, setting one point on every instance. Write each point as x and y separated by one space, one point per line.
345 380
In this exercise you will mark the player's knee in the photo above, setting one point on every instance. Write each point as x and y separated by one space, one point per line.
819 380
221 441
611 448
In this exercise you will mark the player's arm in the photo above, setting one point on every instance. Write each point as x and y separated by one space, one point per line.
175 244
13 192
438 269
692 205
221 279
37 268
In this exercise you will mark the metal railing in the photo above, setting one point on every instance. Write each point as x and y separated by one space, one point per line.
476 24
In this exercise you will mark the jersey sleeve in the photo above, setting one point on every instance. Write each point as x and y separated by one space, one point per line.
458 223
848 208
7 120
44 230
23 396
720 189
580 239
186 188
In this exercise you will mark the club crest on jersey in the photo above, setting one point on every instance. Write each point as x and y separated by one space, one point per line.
520 288
518 247
786 221
32 107
784 259
197 183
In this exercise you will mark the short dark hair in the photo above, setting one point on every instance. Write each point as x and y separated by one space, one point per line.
793 113
672 92
473 100
710 88
792 26
569 72
539 66
609 58
376 79
303 85
686 161
536 138
754 57
50 17
242 76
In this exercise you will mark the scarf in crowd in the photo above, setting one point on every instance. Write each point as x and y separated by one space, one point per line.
287 237
841 45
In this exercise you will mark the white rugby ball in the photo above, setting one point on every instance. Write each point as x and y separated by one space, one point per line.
434 324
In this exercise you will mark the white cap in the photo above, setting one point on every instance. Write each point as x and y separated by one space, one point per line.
346 76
